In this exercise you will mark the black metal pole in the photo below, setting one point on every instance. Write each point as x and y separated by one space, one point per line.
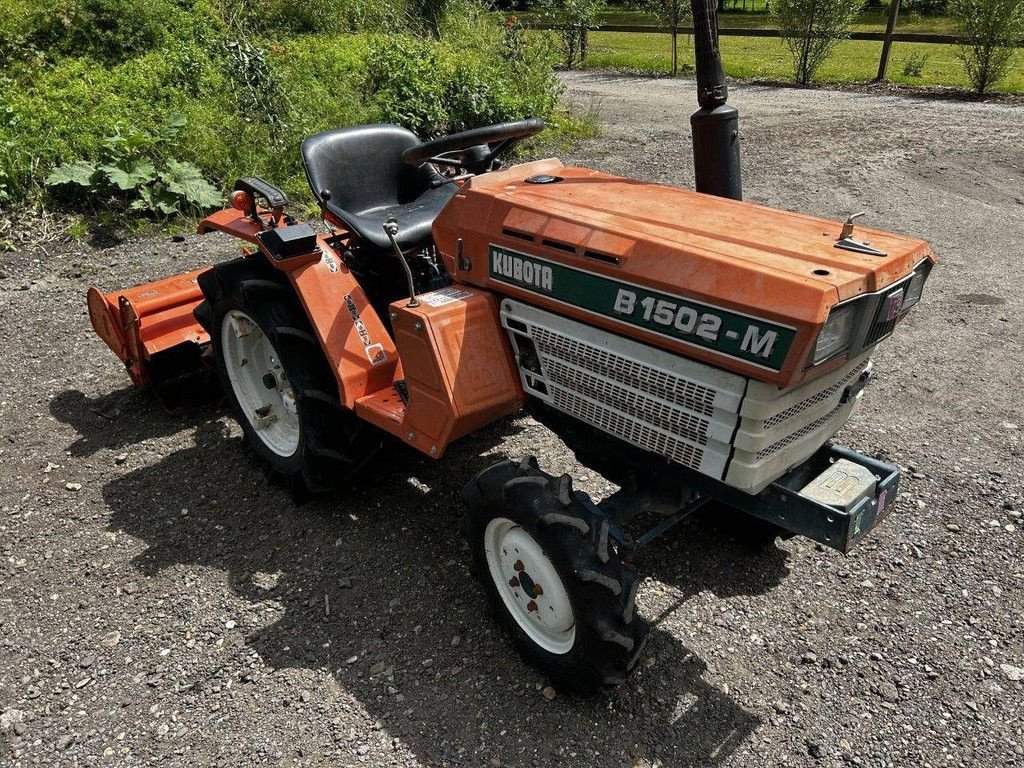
716 135
890 27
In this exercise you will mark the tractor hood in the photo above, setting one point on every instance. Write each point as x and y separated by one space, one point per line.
741 286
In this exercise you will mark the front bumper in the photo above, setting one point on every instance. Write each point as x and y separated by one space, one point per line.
782 503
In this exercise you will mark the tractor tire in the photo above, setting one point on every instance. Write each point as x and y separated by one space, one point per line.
553 579
304 436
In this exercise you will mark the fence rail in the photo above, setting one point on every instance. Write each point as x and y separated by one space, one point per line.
898 37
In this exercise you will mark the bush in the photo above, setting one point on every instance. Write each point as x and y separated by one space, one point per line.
988 31
914 65
247 100
135 173
435 89
811 28
572 20
107 30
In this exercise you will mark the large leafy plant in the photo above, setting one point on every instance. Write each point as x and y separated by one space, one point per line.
133 171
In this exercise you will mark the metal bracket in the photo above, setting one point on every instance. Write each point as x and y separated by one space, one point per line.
847 243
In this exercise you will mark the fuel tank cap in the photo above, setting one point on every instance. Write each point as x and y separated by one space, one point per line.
543 178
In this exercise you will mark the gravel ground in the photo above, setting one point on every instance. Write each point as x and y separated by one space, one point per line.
160 602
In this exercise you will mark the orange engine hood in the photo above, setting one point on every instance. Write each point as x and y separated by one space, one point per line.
714 279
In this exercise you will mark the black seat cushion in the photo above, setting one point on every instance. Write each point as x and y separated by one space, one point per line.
357 174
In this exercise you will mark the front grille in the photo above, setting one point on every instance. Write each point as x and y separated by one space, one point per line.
629 429
879 330
725 426
629 401
631 373
819 397
799 434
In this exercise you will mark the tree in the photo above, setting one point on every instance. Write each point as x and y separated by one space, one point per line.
988 31
571 19
810 30
671 13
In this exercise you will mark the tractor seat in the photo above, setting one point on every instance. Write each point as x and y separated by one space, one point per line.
358 176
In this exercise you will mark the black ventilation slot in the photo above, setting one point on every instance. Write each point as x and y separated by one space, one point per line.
516 325
517 235
559 246
606 258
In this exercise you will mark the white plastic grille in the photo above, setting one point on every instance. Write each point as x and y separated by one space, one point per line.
631 431
799 434
626 371
820 397
629 401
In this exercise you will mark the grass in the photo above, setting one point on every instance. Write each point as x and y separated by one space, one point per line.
767 58
870 20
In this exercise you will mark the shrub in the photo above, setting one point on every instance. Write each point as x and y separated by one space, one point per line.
248 99
811 28
673 14
914 65
434 89
988 31
572 20
107 30
133 171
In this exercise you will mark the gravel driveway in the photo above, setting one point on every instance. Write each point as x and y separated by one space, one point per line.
161 603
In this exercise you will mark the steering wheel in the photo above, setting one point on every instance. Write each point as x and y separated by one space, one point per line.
488 143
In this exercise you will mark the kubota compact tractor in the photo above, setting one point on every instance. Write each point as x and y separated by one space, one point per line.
688 346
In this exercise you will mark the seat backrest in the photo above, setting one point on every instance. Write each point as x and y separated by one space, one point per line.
361 168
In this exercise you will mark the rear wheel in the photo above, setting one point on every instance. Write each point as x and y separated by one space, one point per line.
280 384
553 579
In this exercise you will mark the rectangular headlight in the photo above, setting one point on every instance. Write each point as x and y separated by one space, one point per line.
834 335
914 290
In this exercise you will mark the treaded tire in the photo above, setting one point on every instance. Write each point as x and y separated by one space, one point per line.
333 442
609 635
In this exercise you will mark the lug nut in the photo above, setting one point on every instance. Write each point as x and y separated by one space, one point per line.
537 591
513 582
518 565
531 606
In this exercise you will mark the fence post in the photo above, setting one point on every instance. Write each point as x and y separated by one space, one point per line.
890 27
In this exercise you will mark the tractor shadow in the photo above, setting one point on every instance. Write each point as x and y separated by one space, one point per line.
372 586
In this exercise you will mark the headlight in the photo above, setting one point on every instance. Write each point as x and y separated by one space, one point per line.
913 292
834 335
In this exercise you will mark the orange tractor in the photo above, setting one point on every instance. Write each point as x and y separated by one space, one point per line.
688 346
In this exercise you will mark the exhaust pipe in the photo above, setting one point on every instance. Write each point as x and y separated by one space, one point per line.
716 134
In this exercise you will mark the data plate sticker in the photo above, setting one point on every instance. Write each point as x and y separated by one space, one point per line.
445 296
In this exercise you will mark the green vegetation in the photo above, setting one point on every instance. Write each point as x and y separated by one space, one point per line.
811 29
138 101
989 31
767 58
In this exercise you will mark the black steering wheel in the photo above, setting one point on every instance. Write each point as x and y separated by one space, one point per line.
487 144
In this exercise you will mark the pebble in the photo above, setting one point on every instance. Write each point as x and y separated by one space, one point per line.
110 639
549 693
121 458
952 527
1013 673
230 624
73 486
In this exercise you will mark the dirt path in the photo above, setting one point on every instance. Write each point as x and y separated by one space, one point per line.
161 603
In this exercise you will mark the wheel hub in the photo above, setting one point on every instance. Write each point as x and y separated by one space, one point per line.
260 383
529 585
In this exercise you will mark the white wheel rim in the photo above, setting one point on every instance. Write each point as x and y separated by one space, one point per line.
260 383
529 585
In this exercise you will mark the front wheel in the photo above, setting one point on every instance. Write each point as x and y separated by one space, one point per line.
553 580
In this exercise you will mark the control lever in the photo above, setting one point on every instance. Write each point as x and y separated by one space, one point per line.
391 229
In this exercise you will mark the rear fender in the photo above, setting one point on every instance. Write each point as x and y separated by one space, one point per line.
355 341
